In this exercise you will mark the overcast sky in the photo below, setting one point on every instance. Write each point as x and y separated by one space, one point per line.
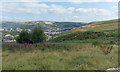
69 10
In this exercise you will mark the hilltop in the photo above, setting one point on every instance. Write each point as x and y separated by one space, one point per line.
98 25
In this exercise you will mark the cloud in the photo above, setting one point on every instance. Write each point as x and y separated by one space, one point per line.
35 8
20 0
88 1
60 9
32 8
82 10
94 11
116 7
71 9
94 14
76 17
5 17
74 1
39 8
28 0
57 9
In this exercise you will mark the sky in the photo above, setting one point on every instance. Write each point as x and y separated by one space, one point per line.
62 11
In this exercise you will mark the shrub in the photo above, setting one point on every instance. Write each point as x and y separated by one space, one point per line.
24 37
38 35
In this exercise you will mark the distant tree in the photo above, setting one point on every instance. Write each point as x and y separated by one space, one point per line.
37 35
24 37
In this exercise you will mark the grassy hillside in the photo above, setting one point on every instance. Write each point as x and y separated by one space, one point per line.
105 31
106 36
58 57
98 25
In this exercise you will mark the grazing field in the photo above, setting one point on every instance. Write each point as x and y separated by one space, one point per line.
58 56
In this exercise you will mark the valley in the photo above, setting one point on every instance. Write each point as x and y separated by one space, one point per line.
76 46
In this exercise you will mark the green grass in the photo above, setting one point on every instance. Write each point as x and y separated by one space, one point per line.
106 29
106 22
57 57
79 41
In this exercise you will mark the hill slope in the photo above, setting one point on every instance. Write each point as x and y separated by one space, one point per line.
98 25
105 31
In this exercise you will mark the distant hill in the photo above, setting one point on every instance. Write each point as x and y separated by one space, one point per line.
23 25
15 25
98 25
46 24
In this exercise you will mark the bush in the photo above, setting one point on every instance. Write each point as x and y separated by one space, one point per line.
24 37
38 35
